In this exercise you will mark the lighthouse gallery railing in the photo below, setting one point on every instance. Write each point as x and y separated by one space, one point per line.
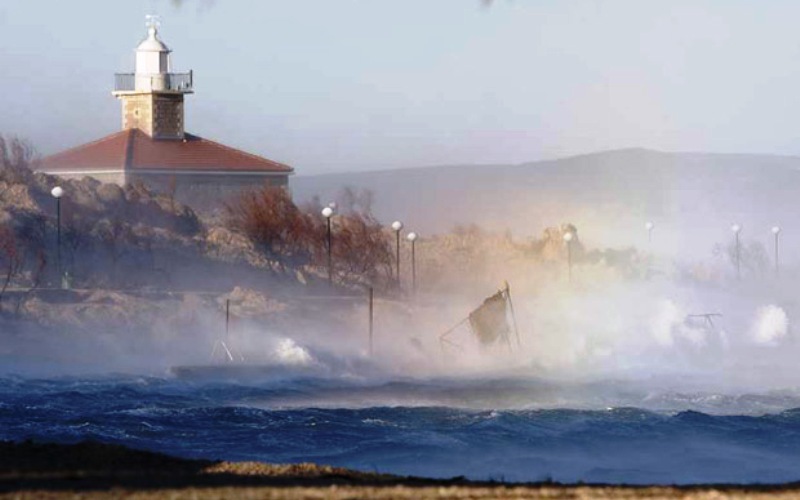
127 82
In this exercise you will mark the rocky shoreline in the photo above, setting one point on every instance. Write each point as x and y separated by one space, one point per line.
94 470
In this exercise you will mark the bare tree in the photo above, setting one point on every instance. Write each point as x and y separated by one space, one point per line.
274 224
294 236
36 276
362 250
10 257
16 155
752 256
75 236
353 200
116 237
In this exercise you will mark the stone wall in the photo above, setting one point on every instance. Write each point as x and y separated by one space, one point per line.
158 115
137 112
202 192
205 192
167 116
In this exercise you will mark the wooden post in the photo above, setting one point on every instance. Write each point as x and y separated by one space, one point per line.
371 317
513 314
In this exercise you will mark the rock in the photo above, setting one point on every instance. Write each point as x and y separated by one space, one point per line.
230 246
17 195
110 194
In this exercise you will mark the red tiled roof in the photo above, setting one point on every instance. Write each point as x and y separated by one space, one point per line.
108 152
132 149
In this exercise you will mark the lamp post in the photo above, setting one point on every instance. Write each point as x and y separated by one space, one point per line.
412 237
397 226
776 230
327 212
568 236
57 193
737 228
649 227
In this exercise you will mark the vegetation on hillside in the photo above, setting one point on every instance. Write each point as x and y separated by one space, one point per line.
109 235
130 238
297 236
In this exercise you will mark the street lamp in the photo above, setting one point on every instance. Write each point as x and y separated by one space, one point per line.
568 237
649 227
412 237
57 193
397 226
327 212
736 228
776 230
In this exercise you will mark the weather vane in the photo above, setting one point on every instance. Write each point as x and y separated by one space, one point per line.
153 21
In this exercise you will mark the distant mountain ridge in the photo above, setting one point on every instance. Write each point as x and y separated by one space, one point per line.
608 195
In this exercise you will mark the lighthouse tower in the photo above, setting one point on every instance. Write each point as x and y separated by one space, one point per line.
153 147
152 96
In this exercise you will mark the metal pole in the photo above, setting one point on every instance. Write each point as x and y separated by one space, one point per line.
738 259
371 317
227 317
58 240
569 260
413 266
397 256
777 269
330 249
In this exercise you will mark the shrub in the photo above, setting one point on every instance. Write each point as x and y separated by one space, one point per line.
274 224
297 236
361 249
15 157
11 259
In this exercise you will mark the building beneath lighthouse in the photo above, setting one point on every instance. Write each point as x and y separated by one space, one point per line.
154 147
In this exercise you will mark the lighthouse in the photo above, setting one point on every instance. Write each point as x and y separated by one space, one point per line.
152 96
154 147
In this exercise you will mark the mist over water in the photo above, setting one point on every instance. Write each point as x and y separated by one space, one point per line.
652 364
654 337
614 379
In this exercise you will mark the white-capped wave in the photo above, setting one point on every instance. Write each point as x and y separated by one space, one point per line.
771 325
288 352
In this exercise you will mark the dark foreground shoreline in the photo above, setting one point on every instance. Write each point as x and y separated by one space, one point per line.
94 470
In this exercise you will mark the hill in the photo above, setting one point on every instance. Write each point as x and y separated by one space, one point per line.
691 197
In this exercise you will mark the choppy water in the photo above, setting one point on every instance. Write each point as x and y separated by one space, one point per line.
467 434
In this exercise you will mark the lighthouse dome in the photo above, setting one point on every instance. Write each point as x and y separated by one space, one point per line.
152 43
152 61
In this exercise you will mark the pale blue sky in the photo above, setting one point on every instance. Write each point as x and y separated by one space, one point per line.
333 85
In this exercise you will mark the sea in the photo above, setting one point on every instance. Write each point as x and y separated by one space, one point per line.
506 429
